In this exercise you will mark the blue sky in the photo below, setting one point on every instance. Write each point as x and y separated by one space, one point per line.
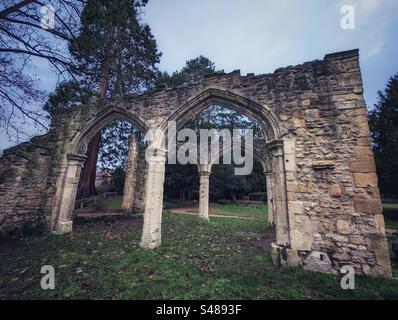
262 35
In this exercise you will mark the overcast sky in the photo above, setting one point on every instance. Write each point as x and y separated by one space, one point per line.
259 36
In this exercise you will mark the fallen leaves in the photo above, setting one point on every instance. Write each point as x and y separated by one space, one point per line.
207 269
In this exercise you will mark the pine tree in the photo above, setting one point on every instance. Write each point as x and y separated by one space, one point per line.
383 121
193 72
117 54
68 94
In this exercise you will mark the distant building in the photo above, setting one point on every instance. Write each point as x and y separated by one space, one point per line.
103 177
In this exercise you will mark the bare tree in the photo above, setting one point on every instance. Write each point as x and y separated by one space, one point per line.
22 39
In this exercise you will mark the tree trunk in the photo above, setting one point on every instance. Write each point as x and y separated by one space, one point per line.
87 179
182 195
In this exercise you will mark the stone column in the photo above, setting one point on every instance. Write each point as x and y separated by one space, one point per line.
131 173
280 213
70 185
204 177
270 197
151 234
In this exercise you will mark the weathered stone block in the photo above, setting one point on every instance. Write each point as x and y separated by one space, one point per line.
306 187
379 223
357 239
301 240
276 254
368 206
64 227
363 152
363 166
363 180
347 105
292 258
345 227
319 262
378 244
296 207
335 190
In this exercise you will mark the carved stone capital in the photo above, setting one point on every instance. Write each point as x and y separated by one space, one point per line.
204 173
155 155
76 159
276 147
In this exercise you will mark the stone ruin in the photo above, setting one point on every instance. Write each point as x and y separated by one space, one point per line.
323 194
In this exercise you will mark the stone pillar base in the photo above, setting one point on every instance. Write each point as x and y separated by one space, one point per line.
283 256
276 254
151 240
64 227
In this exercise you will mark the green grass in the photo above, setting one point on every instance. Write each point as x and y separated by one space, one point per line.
197 260
250 210
113 202
391 215
103 204
258 211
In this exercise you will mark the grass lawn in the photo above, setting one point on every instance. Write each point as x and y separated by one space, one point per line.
258 211
391 214
110 203
223 259
249 210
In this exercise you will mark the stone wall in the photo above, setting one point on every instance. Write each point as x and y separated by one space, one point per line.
24 175
334 201
139 191
134 184
315 112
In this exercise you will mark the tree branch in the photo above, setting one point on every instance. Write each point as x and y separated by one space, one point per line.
14 8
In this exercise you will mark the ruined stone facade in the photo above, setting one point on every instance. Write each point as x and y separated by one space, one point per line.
134 184
325 200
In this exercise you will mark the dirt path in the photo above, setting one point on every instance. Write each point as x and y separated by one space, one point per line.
188 211
97 214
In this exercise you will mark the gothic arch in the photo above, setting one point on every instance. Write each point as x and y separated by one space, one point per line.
106 116
264 157
212 96
61 217
261 158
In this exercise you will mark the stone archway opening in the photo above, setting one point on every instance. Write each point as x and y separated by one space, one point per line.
120 171
187 180
238 196
181 186
269 151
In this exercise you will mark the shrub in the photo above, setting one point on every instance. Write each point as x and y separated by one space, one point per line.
225 201
259 196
